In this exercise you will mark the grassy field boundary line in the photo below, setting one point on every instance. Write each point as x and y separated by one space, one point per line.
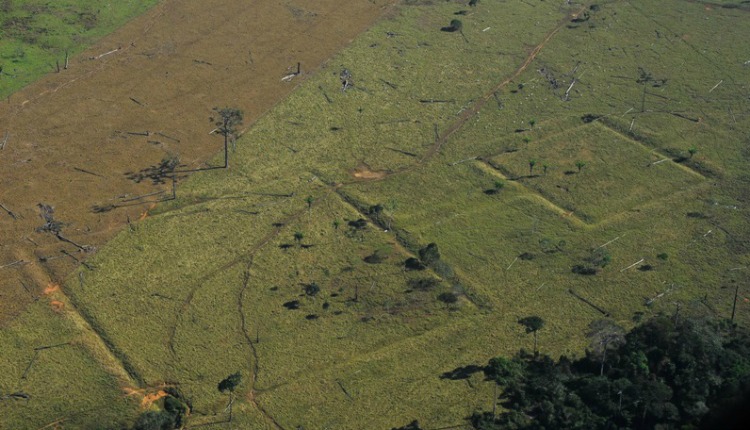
479 104
87 323
476 106
404 243
633 138
532 194
100 347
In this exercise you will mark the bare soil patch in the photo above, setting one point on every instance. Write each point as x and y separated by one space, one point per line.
142 93
364 172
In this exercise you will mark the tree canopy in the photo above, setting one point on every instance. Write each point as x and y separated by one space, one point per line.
665 373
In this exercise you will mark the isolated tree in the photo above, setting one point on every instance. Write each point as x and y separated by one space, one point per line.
455 26
532 324
227 123
605 335
545 166
309 200
229 384
692 151
580 165
298 236
532 163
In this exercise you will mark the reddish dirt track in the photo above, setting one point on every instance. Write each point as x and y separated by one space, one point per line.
69 145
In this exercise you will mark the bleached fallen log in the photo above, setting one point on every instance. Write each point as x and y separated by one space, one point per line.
658 162
105 54
611 241
511 264
714 87
567 93
651 301
633 265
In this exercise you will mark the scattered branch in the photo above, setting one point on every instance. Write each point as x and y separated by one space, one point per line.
437 101
584 300
714 87
12 215
105 54
13 264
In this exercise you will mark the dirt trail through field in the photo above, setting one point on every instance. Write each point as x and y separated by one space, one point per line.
362 174
139 94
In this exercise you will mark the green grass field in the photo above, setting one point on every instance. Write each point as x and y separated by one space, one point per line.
203 287
35 35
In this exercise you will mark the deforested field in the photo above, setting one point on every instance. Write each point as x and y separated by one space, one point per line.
386 217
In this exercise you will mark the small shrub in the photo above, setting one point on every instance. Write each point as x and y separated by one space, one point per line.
526 256
423 284
414 425
646 268
311 317
498 185
414 264
663 256
312 289
442 269
376 257
429 254
580 269
550 247
448 298
600 257
291 305
151 420
177 409
358 224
